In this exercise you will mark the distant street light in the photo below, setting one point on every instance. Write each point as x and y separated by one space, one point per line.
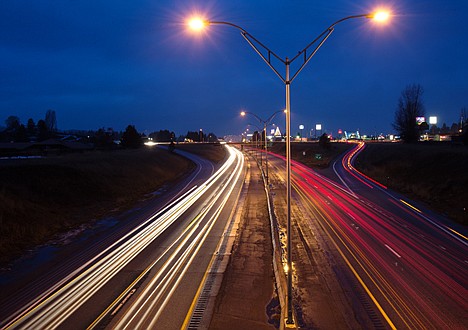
265 124
198 24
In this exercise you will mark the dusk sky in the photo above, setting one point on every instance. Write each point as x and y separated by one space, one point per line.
113 63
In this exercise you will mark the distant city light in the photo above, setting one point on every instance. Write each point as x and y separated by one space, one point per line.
420 120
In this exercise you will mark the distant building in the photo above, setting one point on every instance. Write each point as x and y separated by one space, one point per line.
277 136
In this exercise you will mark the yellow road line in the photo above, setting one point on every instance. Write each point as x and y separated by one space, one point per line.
411 206
348 263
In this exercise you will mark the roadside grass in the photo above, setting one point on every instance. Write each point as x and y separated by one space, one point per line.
434 173
40 198
214 152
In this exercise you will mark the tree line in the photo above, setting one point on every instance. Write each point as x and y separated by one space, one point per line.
17 132
103 138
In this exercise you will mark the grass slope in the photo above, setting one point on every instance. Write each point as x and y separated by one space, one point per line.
436 174
42 197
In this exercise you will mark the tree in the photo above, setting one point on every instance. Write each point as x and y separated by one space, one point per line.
31 127
104 139
51 121
131 138
410 106
42 131
162 136
12 123
21 135
194 136
324 141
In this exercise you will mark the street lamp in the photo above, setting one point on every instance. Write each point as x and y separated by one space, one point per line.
264 123
255 135
265 53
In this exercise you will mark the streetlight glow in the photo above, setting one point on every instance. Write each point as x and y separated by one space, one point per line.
197 24
381 16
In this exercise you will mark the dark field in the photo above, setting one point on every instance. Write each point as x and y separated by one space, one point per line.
40 198
436 174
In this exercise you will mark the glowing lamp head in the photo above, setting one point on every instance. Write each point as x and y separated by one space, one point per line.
381 16
243 113
197 24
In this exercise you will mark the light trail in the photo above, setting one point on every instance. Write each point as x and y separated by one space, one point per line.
58 303
349 159
153 299
420 286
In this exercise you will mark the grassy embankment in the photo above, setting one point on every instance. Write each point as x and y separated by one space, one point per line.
40 198
210 151
436 174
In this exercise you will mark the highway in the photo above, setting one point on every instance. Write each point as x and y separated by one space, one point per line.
152 274
409 265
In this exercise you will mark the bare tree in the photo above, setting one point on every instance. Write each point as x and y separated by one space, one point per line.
410 106
51 121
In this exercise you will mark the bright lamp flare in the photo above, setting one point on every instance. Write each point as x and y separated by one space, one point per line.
381 16
196 24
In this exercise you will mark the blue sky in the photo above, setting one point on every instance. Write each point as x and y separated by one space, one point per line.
112 63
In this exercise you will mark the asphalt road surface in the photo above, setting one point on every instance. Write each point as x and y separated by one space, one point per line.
408 265
144 272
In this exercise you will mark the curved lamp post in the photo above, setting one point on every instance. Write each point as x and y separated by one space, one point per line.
264 123
266 54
